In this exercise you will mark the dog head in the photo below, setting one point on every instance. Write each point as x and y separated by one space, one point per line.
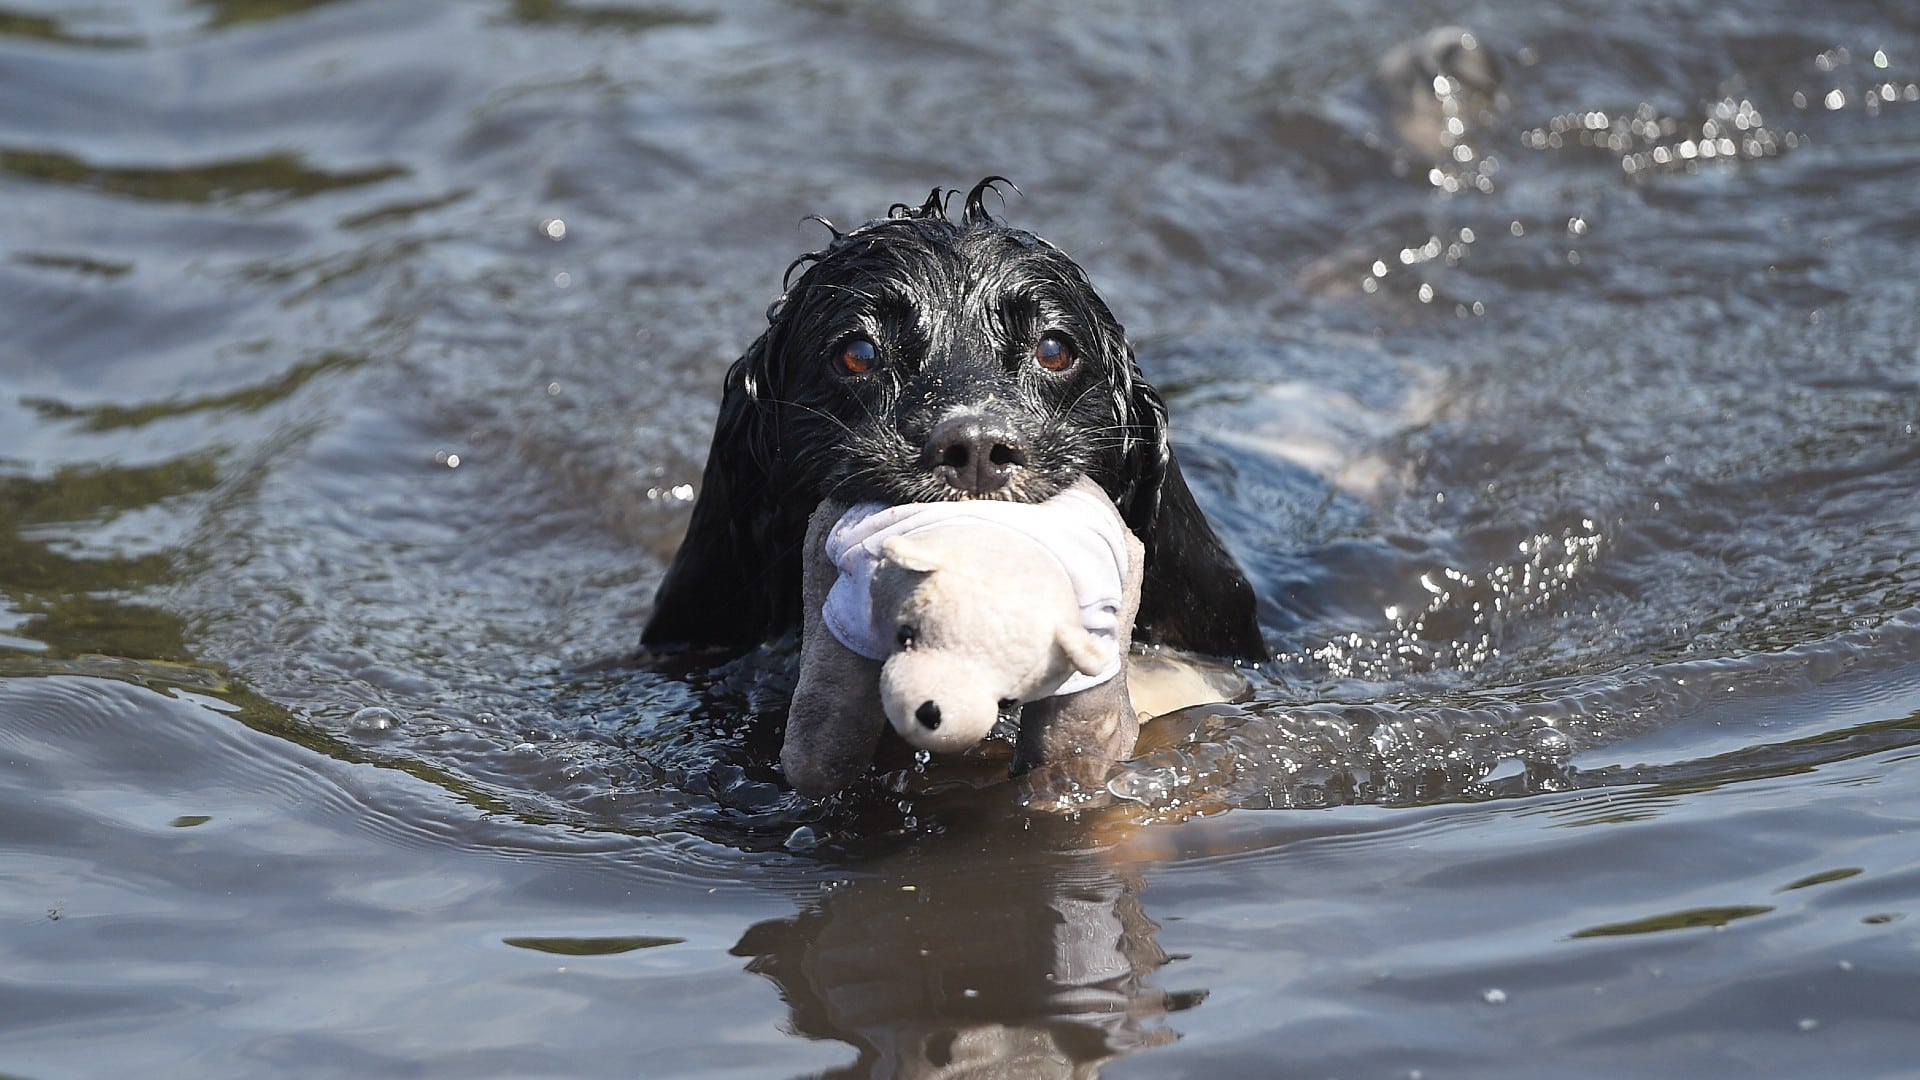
920 358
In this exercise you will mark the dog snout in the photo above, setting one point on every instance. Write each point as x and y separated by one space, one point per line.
975 454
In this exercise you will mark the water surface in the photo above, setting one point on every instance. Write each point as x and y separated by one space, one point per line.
1556 380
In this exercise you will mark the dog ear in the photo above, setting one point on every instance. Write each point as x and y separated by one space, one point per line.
1193 595
735 581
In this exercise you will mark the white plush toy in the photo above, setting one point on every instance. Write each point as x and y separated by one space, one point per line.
941 617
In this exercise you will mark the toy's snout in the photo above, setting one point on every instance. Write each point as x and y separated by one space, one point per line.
928 714
935 706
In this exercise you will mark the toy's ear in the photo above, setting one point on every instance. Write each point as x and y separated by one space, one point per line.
1082 649
910 554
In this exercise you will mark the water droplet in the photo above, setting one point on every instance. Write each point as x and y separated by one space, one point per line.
1808 1023
1494 996
554 229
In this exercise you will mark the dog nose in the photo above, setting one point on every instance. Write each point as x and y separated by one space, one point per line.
975 454
928 714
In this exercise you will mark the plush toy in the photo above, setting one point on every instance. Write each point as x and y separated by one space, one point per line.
939 618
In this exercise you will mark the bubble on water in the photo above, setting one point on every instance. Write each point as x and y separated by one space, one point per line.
1148 786
554 229
1808 1023
1549 742
373 718
1494 996
802 839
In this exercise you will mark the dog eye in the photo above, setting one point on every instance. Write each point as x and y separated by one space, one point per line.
858 356
1053 353
906 635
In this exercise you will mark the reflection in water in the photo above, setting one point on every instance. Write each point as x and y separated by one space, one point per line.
246 399
602 16
590 946
236 12
65 604
279 174
932 968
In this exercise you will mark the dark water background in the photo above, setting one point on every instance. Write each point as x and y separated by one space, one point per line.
358 360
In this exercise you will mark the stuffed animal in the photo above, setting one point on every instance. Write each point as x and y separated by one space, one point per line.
939 618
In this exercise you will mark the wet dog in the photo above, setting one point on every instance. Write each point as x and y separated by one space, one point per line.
922 358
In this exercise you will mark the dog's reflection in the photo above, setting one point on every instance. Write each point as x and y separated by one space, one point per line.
936 971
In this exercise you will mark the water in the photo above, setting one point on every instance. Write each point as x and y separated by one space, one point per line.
360 363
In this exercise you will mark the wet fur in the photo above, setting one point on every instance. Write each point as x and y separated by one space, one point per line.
954 308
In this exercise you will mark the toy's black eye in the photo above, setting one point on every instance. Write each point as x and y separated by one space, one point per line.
858 356
1054 353
906 635
1008 705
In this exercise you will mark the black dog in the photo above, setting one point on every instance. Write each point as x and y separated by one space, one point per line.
917 359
